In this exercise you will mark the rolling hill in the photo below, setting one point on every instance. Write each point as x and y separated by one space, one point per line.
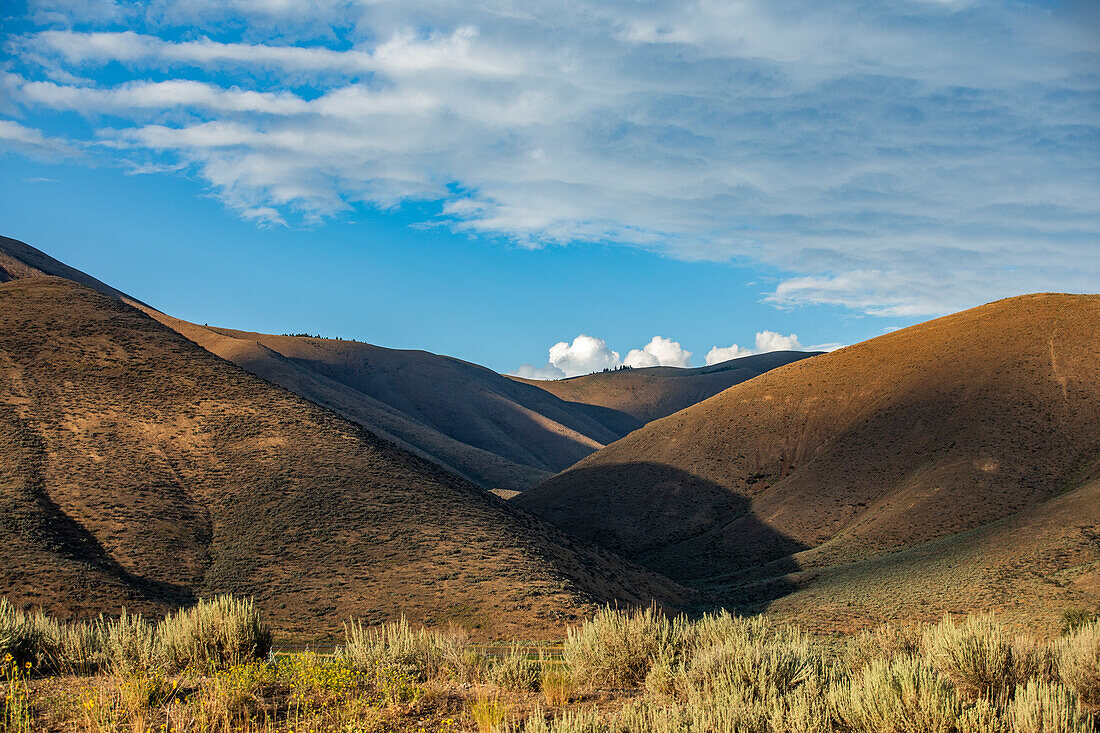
466 418
138 469
851 464
498 432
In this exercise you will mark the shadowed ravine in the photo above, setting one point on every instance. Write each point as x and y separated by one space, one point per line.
689 507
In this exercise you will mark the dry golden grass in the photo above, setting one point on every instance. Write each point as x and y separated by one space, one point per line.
489 713
723 674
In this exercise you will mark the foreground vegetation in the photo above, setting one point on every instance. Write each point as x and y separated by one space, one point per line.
210 668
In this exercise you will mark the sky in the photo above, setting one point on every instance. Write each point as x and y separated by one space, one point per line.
548 188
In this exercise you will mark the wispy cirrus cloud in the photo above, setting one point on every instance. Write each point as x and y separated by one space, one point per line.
31 141
907 158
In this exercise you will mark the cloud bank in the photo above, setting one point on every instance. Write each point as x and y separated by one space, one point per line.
902 158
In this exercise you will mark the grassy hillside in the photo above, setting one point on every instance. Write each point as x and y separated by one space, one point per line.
918 435
138 469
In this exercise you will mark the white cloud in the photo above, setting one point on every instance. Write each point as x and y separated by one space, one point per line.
67 12
529 371
265 215
585 355
160 96
765 341
898 159
719 354
659 352
771 341
31 141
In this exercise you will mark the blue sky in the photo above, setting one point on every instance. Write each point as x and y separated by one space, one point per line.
492 182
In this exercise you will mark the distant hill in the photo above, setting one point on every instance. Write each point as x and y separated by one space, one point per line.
626 399
138 469
846 465
468 419
495 431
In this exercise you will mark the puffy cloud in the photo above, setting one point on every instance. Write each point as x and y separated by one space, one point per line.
659 352
585 355
719 354
772 341
899 159
765 341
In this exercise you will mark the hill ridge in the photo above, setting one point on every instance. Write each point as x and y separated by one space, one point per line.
490 429
915 435
193 476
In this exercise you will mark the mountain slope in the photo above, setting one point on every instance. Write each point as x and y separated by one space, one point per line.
466 418
492 430
626 399
138 469
19 260
1029 567
913 436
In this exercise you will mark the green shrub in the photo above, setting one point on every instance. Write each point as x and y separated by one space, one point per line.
514 671
661 680
470 665
133 645
804 711
556 685
763 667
1079 663
900 695
426 653
645 715
1035 660
215 634
81 647
714 629
1044 707
617 648
28 637
570 721
977 655
884 642
488 713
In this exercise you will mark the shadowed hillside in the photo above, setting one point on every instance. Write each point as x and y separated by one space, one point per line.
1029 567
626 399
138 469
914 436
